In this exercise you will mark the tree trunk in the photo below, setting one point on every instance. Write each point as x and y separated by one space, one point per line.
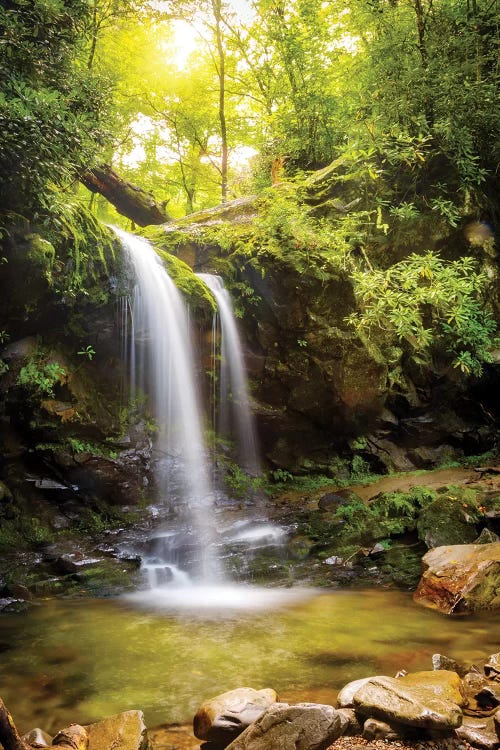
221 72
129 200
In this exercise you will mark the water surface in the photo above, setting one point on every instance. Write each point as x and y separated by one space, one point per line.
67 661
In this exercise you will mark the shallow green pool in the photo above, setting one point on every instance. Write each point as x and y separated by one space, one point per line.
82 660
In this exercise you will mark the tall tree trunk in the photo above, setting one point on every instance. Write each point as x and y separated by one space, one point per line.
221 72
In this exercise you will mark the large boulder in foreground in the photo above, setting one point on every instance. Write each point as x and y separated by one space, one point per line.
392 700
224 717
461 578
303 726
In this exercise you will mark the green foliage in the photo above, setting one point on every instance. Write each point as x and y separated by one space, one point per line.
40 377
24 531
386 515
86 245
434 306
88 352
360 469
51 107
239 483
281 476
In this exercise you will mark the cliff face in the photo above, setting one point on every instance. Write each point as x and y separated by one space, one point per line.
326 398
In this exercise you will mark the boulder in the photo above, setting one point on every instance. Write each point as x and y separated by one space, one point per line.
304 726
445 521
439 661
349 722
224 717
345 698
125 731
443 683
391 700
479 732
374 729
492 667
461 578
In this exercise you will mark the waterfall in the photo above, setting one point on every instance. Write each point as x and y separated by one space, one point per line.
235 415
161 363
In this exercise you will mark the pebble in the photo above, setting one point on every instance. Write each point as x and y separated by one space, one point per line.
358 743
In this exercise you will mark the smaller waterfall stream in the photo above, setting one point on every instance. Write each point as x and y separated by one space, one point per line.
235 414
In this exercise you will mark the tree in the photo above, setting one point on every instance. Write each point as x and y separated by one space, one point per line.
51 109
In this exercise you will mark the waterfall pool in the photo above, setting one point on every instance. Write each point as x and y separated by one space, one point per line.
81 660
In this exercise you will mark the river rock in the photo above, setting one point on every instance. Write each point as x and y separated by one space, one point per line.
374 729
350 723
461 578
391 700
224 717
439 661
333 500
444 684
492 667
37 738
345 698
125 731
479 732
304 726
445 521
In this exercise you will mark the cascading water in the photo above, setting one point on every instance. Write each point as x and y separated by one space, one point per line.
235 415
160 361
179 563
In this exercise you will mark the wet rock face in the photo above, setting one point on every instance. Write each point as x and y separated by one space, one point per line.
461 578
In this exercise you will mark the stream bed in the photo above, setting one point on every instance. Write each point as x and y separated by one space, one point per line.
82 660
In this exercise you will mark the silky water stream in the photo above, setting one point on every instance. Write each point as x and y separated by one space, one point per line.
182 561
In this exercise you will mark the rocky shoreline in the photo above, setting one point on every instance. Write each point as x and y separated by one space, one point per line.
454 706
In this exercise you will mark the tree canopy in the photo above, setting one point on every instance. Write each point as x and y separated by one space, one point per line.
202 102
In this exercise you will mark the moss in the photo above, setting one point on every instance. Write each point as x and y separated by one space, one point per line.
105 579
24 532
197 293
451 518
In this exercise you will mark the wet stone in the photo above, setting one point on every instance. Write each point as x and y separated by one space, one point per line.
304 726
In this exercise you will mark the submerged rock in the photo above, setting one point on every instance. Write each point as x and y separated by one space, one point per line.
224 717
461 578
304 726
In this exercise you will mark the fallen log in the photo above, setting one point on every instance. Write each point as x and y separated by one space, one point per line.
9 736
129 200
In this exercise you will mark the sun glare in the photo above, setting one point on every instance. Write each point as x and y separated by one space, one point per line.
185 42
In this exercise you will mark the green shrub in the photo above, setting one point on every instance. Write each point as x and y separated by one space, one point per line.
40 377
